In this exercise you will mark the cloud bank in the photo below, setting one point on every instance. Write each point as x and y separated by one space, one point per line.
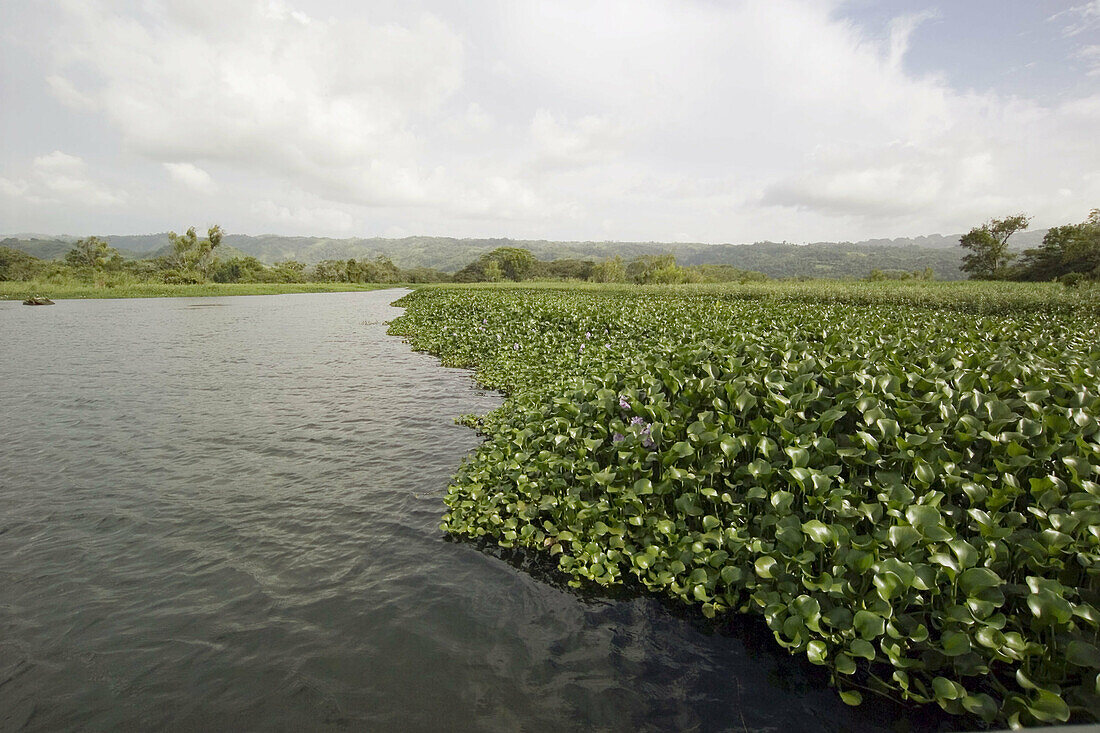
647 119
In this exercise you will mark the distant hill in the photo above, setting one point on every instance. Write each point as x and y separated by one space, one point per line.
1020 240
777 259
46 249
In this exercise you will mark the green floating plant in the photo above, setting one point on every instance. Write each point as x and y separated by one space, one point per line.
908 496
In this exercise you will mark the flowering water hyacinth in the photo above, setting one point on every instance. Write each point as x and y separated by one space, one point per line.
903 484
647 440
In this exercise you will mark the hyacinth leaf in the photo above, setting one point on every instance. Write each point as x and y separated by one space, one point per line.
897 482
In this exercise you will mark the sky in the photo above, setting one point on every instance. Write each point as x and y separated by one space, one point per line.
640 120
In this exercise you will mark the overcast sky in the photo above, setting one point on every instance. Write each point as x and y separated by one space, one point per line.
692 120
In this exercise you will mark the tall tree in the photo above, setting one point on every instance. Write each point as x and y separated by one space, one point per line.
191 253
988 245
514 263
93 253
207 256
1073 248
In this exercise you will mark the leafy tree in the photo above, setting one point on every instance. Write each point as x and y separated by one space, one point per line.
329 271
192 257
288 271
206 249
16 265
565 268
492 271
514 263
611 270
1066 250
239 269
94 254
510 263
988 245
656 269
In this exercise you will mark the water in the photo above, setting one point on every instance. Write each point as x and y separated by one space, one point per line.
222 513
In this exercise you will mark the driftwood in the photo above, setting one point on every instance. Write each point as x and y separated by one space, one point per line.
38 300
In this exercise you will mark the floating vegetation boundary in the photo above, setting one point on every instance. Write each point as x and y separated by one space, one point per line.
907 495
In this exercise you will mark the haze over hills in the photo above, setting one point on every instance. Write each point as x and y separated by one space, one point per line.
776 259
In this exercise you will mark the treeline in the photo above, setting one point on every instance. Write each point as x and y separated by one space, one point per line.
518 264
191 259
1069 254
775 259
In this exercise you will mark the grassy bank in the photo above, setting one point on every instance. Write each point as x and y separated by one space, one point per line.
901 480
17 290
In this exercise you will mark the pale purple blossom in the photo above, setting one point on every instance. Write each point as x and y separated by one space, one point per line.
623 403
515 347
618 438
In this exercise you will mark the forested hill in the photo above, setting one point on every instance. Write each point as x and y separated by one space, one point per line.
822 259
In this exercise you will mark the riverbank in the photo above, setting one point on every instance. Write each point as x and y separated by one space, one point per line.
19 290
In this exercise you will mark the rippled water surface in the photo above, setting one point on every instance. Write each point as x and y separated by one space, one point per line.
222 514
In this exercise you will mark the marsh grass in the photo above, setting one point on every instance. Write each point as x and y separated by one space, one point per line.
978 297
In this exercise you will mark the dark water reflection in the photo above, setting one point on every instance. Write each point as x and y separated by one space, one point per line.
226 518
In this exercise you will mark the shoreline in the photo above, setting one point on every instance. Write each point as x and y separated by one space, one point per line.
14 290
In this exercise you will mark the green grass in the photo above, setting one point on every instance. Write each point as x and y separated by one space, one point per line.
15 290
901 479
965 296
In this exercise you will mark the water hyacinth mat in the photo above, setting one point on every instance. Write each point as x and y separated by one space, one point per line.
907 495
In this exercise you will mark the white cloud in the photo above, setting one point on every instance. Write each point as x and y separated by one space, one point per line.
191 176
579 143
66 92
60 179
326 100
59 164
1091 56
901 30
304 219
1079 18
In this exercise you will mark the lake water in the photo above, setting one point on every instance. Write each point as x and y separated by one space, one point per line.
222 514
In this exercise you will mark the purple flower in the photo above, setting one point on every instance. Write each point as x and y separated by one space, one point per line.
623 402
484 321
618 438
588 334
636 420
647 442
582 347
515 347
